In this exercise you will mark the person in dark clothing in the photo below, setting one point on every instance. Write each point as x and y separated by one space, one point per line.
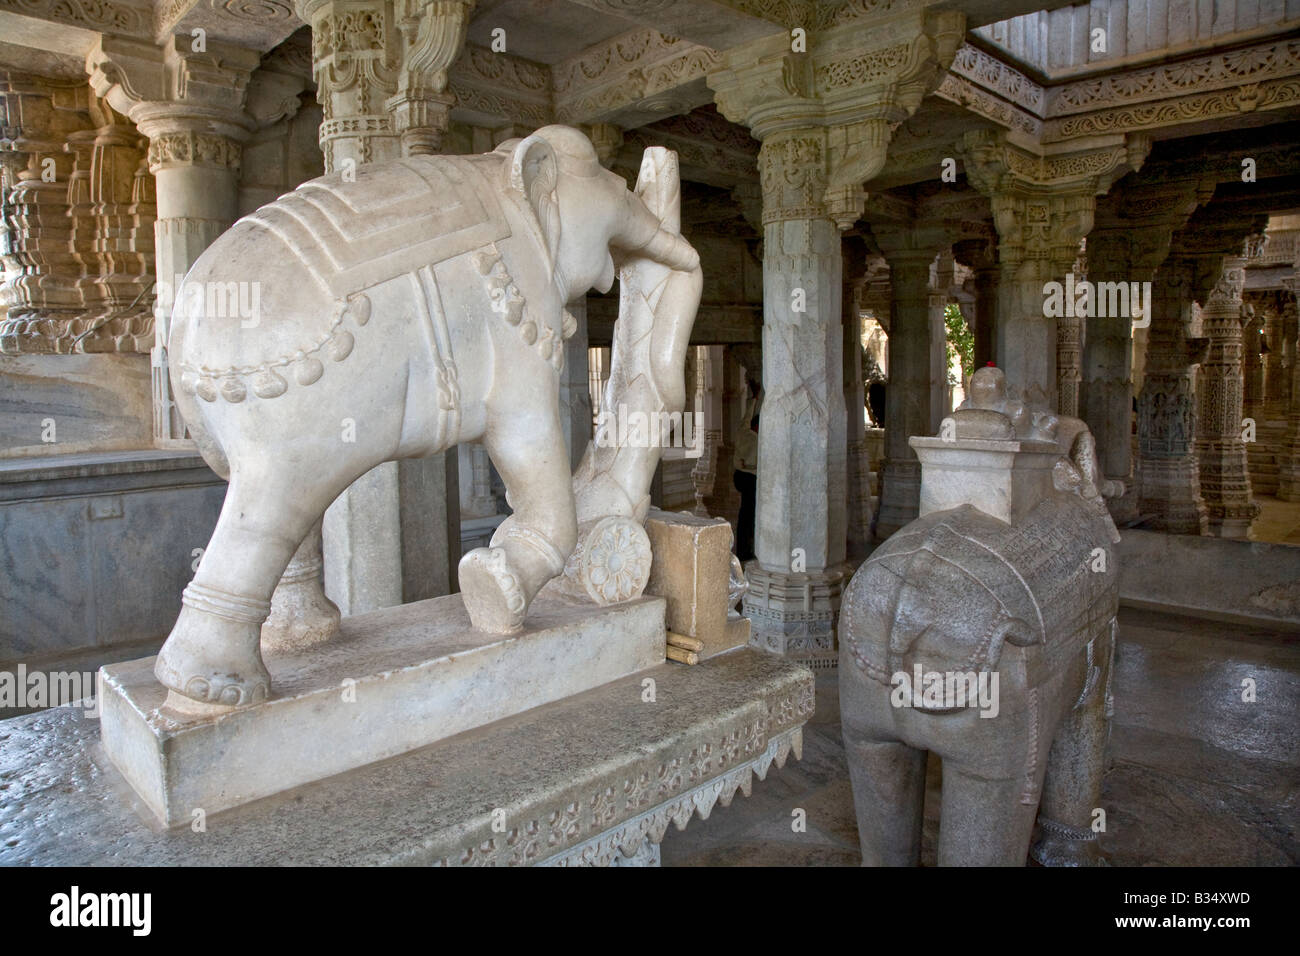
746 479
876 399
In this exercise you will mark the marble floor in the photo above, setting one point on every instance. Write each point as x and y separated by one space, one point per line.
1198 776
1278 521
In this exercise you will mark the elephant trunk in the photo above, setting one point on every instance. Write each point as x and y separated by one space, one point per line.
643 233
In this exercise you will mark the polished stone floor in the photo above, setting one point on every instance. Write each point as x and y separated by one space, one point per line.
1278 521
1199 776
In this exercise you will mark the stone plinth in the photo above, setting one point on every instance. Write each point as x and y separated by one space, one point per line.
1003 478
691 569
391 681
586 780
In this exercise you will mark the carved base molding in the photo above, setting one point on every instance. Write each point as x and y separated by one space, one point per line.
636 843
582 781
793 614
1169 496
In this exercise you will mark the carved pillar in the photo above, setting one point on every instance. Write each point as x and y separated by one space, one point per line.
575 385
857 468
191 106
1122 251
433 35
825 119
1042 206
910 405
356 51
1169 497
1069 351
1225 479
981 257
799 534
708 410
1276 384
42 301
1288 475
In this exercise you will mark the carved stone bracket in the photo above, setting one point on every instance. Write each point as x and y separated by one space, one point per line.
844 99
433 35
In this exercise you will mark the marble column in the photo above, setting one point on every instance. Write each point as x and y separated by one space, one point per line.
192 107
708 410
1225 479
1276 383
723 500
575 387
1169 496
857 468
824 134
795 581
1120 255
912 397
1042 207
1288 459
1069 352
393 535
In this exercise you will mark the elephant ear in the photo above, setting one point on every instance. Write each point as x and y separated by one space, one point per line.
534 173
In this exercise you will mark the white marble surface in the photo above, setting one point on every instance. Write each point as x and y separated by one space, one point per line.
391 681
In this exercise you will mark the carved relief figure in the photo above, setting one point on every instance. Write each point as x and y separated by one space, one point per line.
403 309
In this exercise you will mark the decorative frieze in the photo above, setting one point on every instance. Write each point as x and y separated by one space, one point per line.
121 17
502 86
637 71
192 148
1240 68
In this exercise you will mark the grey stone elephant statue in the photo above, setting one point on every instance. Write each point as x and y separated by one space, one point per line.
404 308
983 631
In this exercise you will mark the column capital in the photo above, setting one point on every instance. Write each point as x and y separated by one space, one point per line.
1044 203
165 88
855 88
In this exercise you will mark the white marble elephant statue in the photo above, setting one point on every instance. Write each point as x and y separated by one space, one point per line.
1017 617
401 310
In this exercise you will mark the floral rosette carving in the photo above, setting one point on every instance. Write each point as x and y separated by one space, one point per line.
615 564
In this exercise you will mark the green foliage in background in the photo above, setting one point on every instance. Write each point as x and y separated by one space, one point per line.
959 343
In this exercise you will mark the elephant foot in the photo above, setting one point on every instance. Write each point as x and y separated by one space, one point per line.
301 616
493 597
1060 844
212 656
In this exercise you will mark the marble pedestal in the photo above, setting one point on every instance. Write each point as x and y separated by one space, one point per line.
593 779
391 681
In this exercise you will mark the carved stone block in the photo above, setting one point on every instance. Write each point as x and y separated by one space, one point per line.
691 568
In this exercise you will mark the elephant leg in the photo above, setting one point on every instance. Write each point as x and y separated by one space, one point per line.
1075 767
530 547
213 654
888 779
983 821
301 614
